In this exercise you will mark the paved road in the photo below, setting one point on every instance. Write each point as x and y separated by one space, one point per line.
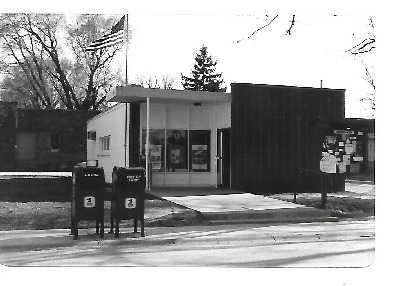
331 244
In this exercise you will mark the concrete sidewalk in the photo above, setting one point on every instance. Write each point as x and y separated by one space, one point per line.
235 207
329 244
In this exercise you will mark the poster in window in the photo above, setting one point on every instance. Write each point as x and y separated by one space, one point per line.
177 155
155 156
199 157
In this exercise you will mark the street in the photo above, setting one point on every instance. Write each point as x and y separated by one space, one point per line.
329 244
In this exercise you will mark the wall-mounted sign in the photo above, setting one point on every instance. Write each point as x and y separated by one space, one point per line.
342 167
343 132
346 159
328 164
346 146
331 139
349 148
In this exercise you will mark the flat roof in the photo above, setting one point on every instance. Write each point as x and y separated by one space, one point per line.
133 93
283 86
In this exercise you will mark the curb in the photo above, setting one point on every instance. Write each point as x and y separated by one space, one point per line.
273 221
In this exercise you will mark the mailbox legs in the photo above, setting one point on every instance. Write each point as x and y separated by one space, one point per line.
101 223
116 228
97 226
102 227
142 227
112 225
75 231
135 225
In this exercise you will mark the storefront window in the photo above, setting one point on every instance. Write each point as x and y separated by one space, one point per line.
156 148
199 150
177 151
185 150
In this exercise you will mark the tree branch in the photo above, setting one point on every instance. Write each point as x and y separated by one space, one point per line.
257 30
288 32
360 48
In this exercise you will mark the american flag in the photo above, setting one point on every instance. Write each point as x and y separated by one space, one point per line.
114 37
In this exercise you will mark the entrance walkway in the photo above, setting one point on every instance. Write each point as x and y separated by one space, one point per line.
230 206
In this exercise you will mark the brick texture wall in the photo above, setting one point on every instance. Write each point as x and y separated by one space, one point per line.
71 127
276 131
8 116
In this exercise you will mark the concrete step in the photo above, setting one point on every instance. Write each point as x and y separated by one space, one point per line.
248 208
288 215
269 213
274 220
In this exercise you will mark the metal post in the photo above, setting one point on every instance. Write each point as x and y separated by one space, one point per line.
146 149
126 133
323 192
126 83
127 49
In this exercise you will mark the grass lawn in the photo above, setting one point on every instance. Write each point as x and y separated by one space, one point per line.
44 203
341 204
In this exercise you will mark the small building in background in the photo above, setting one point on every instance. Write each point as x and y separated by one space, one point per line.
41 140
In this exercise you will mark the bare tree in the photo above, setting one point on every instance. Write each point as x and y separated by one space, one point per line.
363 46
51 55
154 81
370 96
168 81
367 44
359 51
267 21
29 55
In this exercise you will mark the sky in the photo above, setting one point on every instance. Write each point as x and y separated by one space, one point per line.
315 50
166 35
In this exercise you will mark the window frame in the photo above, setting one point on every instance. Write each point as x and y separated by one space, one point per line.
208 151
104 145
54 143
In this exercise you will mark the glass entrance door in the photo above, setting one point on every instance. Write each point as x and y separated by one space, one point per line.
223 158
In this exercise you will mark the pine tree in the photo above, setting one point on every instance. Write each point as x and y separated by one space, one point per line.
204 76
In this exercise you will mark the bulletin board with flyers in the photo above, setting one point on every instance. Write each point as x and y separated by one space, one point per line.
342 152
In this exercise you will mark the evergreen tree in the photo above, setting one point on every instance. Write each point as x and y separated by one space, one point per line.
204 77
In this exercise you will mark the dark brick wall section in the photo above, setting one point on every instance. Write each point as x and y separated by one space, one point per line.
134 134
275 134
69 124
8 117
36 189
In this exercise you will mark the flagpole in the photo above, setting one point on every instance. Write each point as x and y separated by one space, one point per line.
127 47
126 83
147 145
